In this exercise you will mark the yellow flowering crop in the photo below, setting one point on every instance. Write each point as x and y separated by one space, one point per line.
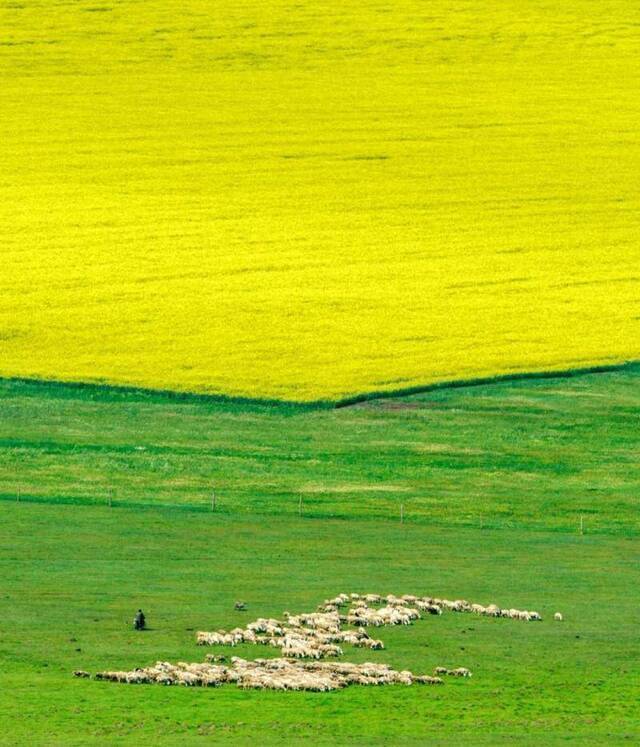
308 200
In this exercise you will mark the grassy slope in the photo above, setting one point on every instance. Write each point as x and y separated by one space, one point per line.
73 576
531 453
316 199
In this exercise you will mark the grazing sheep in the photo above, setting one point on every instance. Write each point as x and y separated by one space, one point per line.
329 649
215 639
459 605
327 607
263 625
370 643
306 638
340 601
137 677
405 677
300 652
274 674
458 672
432 609
364 618
81 673
395 601
425 679
392 615
558 617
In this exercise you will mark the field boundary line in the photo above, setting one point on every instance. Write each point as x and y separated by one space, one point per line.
567 373
125 392
103 389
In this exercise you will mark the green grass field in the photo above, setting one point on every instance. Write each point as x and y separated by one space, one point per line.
72 577
529 454
493 480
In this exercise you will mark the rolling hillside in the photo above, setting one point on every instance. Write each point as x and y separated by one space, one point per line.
535 454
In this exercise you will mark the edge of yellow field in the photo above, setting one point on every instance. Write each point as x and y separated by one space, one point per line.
323 403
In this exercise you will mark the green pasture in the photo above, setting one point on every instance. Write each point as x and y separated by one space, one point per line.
493 480
73 576
529 454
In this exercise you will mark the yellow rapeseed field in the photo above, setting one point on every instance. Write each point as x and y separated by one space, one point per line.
307 200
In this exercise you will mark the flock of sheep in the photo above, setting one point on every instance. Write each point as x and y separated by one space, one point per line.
312 636
272 674
431 605
318 635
